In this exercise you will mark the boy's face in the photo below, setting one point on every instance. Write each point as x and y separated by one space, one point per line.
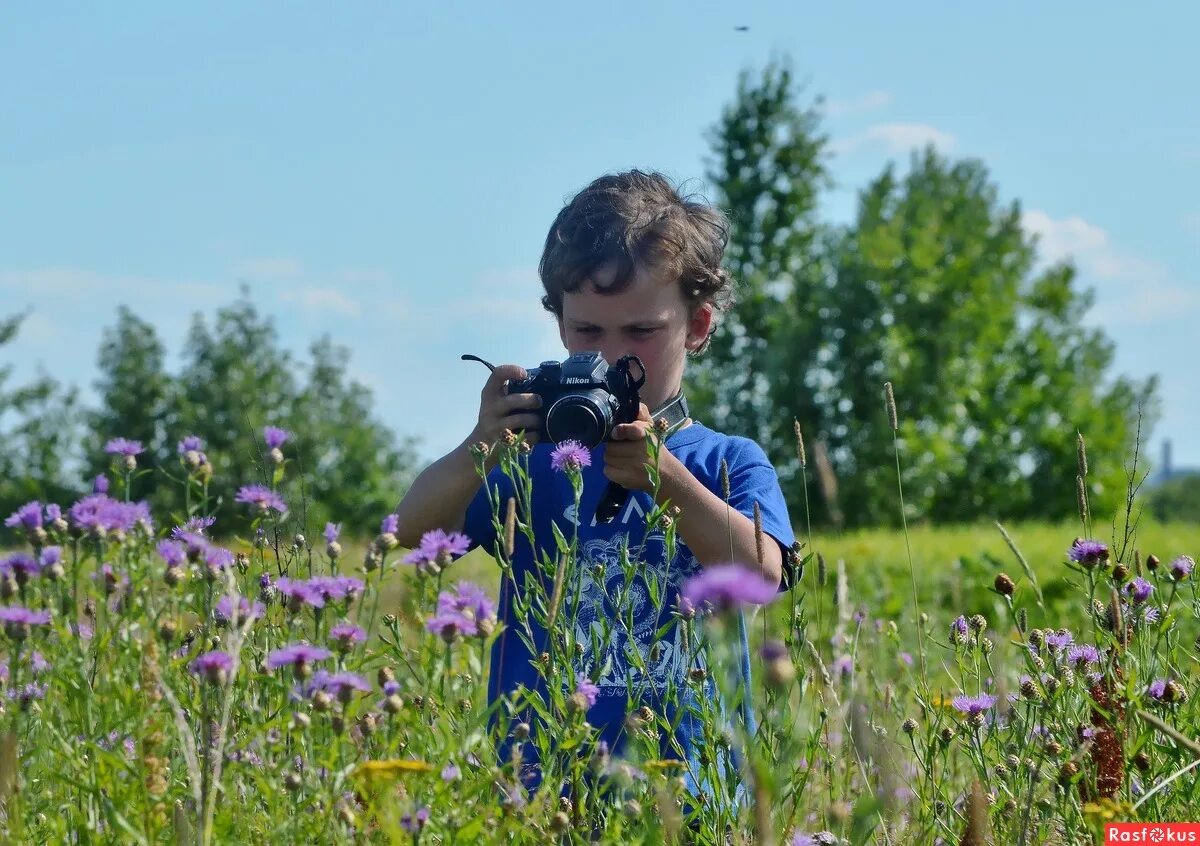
649 319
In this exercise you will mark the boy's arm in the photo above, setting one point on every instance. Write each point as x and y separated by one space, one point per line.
439 497
715 532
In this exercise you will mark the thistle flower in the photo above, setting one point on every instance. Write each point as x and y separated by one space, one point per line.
190 443
1083 655
299 593
449 625
336 588
275 437
21 566
1182 567
341 685
451 772
727 587
960 630
297 655
1088 553
121 446
973 707
100 484
246 610
344 636
437 549
331 532
1059 640
413 823
570 455
99 515
262 498
215 666
472 602
17 620
1139 590
27 517
586 690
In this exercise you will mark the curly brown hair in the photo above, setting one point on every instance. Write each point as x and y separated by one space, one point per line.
637 219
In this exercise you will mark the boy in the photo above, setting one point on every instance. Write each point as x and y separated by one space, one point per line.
629 268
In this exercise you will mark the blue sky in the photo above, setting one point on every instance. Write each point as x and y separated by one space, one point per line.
387 173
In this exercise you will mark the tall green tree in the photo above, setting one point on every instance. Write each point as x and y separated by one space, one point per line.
935 287
39 429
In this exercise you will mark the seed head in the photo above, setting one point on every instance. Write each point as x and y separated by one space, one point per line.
909 726
889 399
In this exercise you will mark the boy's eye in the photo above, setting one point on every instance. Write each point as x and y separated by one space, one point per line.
643 331
587 330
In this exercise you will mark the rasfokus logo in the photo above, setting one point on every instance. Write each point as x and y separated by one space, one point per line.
1152 832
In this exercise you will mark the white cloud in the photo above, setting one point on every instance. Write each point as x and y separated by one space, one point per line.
868 102
323 300
275 269
1130 290
895 138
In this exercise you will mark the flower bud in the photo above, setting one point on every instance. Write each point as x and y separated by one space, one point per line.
276 455
1004 585
908 726
322 701
393 703
292 782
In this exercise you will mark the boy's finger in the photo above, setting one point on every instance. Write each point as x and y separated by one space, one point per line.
503 373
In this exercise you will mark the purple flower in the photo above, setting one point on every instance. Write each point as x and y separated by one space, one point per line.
98 514
295 655
727 587
17 620
262 498
28 517
389 524
215 666
586 689
973 706
53 513
1139 590
437 547
121 446
907 658
449 625
190 443
1157 689
194 526
50 556
172 552
1083 655
223 610
469 600
331 532
100 484
450 772
345 635
21 566
1182 567
1059 640
299 594
570 455
960 630
772 650
391 686
275 437
413 823
843 665
336 588
1088 553
342 685
218 558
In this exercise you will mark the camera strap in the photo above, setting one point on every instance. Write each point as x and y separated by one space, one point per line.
674 410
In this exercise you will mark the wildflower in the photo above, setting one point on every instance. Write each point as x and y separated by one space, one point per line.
1080 656
344 636
17 620
1182 567
960 630
215 666
472 602
437 549
685 608
275 437
1167 691
570 455
224 609
100 484
821 838
332 547
299 593
727 587
298 656
29 518
1139 590
342 684
171 552
336 588
194 526
21 566
1059 640
262 498
1088 553
190 443
217 558
99 515
586 692
973 707
449 625
450 772
129 449
413 823
778 664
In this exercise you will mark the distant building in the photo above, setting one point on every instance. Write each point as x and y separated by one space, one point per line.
1167 470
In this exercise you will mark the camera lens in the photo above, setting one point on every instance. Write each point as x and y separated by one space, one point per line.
583 417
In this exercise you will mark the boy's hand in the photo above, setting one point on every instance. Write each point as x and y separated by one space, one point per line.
627 455
499 411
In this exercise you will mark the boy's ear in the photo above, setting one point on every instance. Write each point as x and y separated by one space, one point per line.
699 325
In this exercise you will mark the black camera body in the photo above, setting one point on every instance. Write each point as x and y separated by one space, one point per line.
583 398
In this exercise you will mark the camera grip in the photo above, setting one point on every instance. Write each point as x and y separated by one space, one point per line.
610 503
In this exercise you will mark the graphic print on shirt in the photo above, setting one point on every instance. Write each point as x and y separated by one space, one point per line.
606 600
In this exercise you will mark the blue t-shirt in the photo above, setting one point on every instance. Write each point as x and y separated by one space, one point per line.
600 590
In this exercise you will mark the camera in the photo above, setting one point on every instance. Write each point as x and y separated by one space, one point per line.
583 398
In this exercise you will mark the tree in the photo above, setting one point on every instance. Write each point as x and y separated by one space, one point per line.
38 430
934 286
